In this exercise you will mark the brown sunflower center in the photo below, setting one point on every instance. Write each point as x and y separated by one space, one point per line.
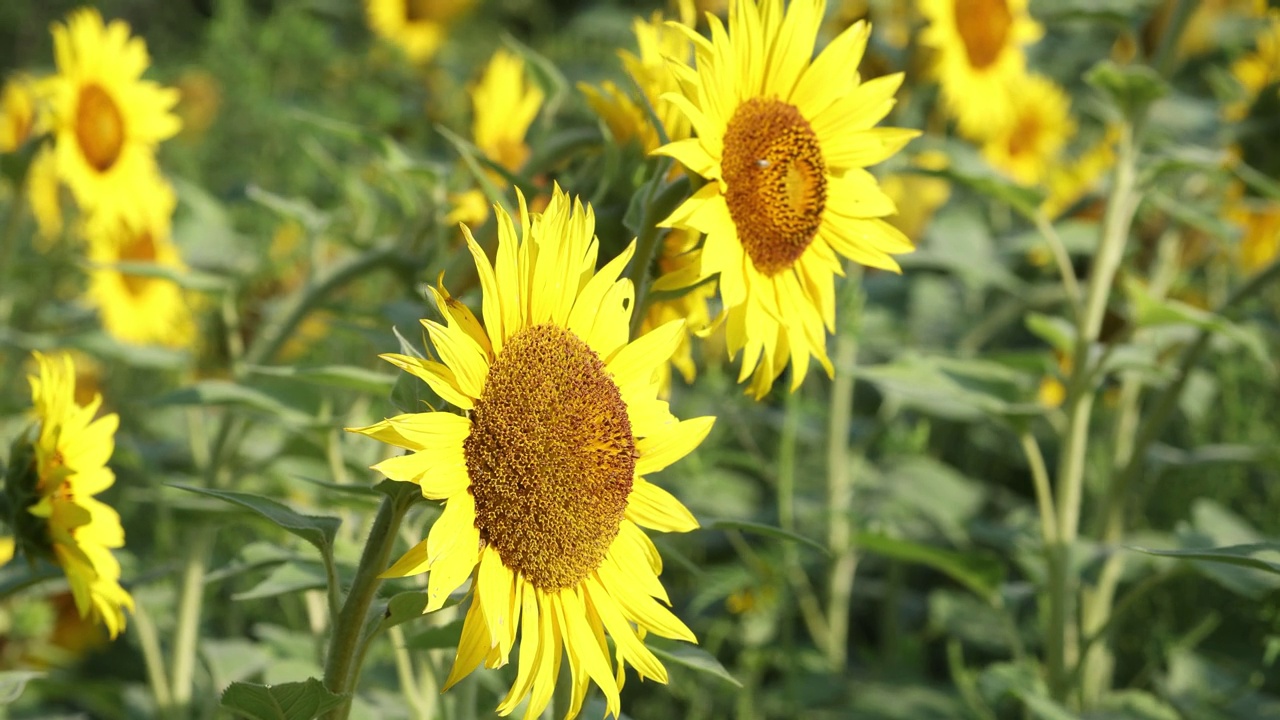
139 248
984 27
1025 135
551 457
776 182
99 127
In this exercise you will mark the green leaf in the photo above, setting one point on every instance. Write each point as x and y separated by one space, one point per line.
317 530
13 682
287 701
224 392
182 277
285 579
1058 332
1150 311
957 389
1238 555
769 530
437 638
980 573
1132 88
406 606
690 656
347 377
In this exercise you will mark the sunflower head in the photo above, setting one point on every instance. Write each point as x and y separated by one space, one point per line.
17 113
505 104
979 50
108 120
544 478
418 27
55 469
1027 149
783 140
136 308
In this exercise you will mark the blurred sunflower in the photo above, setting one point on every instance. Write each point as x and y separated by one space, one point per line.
23 118
917 195
1027 148
55 470
1069 182
783 145
543 477
499 135
1259 223
1258 69
419 27
139 309
108 120
629 120
979 45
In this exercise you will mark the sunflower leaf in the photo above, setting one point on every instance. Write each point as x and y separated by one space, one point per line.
348 377
690 656
315 529
406 606
287 701
980 573
223 392
762 529
13 682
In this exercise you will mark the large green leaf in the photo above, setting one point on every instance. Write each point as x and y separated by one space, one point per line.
406 606
347 377
286 579
979 572
690 656
287 701
315 529
1238 555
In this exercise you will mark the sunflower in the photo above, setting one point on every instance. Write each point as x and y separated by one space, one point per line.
1258 69
1027 148
107 120
139 309
543 476
23 117
499 135
417 26
629 120
979 45
1069 182
1259 224
783 145
55 470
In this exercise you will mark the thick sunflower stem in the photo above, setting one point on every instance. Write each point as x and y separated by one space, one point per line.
342 662
1063 643
840 479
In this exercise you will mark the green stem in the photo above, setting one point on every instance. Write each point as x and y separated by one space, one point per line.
149 642
844 565
1121 206
407 676
190 601
341 662
659 205
277 333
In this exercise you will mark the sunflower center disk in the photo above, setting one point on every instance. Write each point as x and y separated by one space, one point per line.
551 457
984 27
776 182
99 128
138 248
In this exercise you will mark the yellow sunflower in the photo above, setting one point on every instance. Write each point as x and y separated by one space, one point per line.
1258 69
108 121
979 46
1259 223
1027 149
419 27
543 476
629 120
55 472
499 135
139 309
1069 182
24 116
783 145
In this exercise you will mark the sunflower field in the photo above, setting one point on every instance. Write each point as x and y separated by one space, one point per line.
752 359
